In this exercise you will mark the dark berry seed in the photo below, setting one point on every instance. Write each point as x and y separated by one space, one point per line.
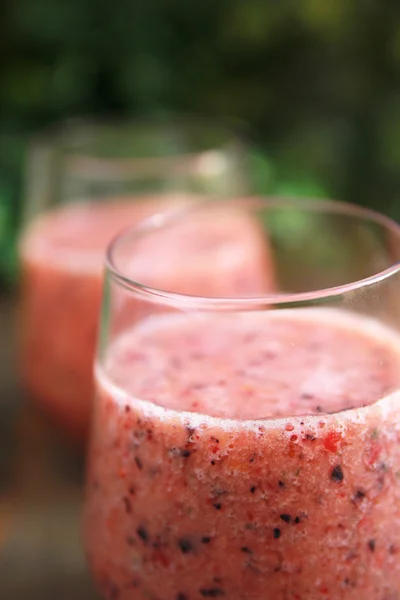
286 518
318 409
128 505
297 520
184 452
371 545
375 434
281 484
211 592
337 474
246 550
359 495
277 533
131 491
217 506
181 596
139 463
142 533
185 545
213 462
205 539
253 489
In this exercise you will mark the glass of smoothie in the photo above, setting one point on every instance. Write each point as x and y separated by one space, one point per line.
247 446
85 182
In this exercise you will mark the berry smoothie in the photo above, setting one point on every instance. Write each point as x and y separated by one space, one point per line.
248 456
62 255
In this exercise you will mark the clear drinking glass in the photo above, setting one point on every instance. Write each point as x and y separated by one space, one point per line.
246 445
85 182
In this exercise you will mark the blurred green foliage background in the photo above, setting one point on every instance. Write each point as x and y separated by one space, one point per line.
317 80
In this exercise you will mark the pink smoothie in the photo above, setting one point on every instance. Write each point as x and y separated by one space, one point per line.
62 255
250 456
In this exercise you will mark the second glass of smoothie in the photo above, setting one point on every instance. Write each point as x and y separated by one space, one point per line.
87 182
247 446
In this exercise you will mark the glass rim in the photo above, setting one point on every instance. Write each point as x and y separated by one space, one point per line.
66 132
207 303
76 140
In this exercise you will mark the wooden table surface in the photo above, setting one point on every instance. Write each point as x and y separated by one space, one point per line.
41 556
